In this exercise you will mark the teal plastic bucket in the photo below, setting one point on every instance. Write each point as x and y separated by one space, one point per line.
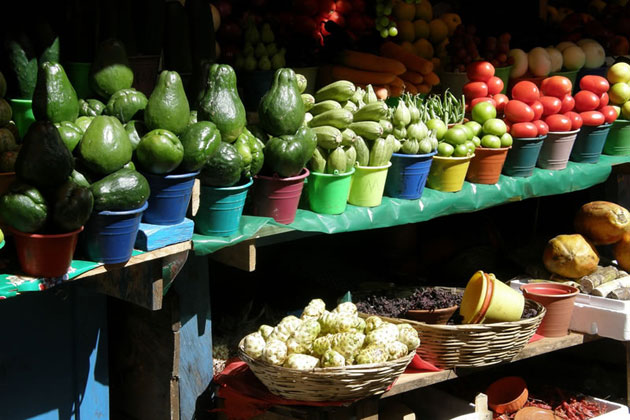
521 158
328 193
618 140
22 114
220 209
589 143
407 176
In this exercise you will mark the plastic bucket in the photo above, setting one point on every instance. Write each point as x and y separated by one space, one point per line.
22 114
368 185
488 299
618 140
45 255
328 193
278 197
169 198
454 81
559 300
408 175
589 143
485 167
256 84
556 150
521 158
110 235
220 209
570 74
79 76
503 73
448 173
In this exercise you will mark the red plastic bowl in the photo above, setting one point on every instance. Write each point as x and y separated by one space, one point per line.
507 395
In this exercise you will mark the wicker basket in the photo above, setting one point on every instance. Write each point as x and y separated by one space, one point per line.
327 384
474 345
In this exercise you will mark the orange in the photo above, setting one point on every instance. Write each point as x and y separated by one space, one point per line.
423 48
404 11
424 10
406 32
439 30
421 28
452 21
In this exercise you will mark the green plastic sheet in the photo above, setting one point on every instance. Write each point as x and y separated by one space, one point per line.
432 204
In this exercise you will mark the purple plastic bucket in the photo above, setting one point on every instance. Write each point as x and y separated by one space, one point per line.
278 197
556 149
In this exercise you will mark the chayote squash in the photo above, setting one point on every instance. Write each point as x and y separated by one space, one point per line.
281 109
287 155
221 104
54 98
90 107
200 140
126 103
223 168
168 106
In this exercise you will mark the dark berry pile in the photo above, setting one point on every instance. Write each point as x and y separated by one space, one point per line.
396 307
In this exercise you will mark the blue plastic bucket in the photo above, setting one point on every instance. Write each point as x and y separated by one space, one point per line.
589 143
407 176
522 157
109 236
220 209
170 195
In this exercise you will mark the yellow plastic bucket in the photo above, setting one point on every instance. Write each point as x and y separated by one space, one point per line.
368 185
487 299
448 173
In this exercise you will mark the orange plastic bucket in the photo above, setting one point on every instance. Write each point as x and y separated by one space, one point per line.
485 167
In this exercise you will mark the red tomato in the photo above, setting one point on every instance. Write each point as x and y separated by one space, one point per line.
568 103
586 101
558 122
518 111
557 86
501 100
595 84
542 127
610 113
483 99
576 120
592 118
480 71
526 91
551 105
524 130
474 90
603 100
538 109
495 85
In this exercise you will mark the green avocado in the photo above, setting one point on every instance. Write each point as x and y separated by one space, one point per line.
44 159
54 98
110 71
125 189
105 147
168 106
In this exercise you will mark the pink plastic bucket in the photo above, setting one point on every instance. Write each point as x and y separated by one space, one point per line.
278 197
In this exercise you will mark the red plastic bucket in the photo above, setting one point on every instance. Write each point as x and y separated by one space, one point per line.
45 255
278 197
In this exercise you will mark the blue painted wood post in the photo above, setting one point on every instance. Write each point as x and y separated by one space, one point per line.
53 356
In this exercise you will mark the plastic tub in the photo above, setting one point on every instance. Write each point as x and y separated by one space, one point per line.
485 167
618 139
278 197
169 198
408 175
220 209
45 255
503 73
488 299
522 157
448 173
558 299
22 114
109 236
556 150
368 185
507 395
589 143
328 193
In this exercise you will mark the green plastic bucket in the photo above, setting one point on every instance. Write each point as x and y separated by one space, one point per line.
79 76
521 158
22 114
589 143
368 185
503 73
328 193
570 74
618 140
